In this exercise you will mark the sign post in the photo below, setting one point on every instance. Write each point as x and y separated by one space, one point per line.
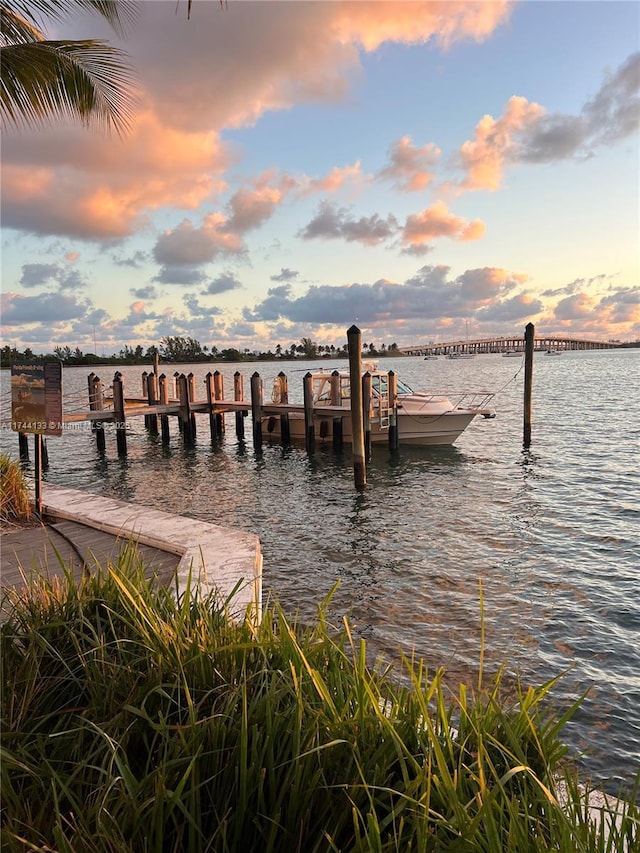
36 406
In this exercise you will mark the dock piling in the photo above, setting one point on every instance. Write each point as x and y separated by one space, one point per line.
118 413
392 391
529 337
283 396
354 344
218 396
256 409
184 413
309 426
336 400
163 394
366 413
238 394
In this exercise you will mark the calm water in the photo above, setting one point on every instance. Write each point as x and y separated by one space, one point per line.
553 533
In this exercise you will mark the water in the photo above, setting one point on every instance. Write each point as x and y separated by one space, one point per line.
552 533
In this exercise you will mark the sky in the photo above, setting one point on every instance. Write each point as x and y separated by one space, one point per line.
424 170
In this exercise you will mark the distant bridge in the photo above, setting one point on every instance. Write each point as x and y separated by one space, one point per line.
511 343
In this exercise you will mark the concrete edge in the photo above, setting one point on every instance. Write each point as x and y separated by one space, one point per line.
221 559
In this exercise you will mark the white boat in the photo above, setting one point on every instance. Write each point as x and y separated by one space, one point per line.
553 352
462 355
512 353
423 418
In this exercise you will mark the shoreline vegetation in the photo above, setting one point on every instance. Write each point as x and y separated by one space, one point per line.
178 350
137 719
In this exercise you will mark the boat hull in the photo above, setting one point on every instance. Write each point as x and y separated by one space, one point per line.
414 430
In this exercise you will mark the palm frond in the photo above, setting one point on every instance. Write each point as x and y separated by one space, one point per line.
86 80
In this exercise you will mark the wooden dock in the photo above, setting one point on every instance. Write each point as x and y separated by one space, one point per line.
165 398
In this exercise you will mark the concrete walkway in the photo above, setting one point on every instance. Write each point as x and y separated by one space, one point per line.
220 559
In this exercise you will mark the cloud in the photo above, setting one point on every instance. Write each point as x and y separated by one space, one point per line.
410 168
334 180
147 292
96 189
183 275
527 134
430 293
483 157
189 245
40 275
285 274
436 222
56 307
222 284
250 206
332 222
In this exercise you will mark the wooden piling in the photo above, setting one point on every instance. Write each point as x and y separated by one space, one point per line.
23 447
152 397
354 344
309 426
184 413
96 404
145 393
392 390
118 413
256 410
163 395
283 397
336 400
191 385
529 338
213 425
238 394
366 413
37 451
218 395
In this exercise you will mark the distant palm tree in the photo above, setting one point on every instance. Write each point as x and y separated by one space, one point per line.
45 80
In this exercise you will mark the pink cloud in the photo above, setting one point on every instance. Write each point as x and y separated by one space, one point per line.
411 167
483 158
435 222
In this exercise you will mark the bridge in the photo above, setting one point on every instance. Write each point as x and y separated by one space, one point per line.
508 343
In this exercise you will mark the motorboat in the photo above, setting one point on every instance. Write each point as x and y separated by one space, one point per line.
462 355
553 352
512 353
423 418
430 357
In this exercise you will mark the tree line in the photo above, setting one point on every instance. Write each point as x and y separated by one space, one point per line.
185 350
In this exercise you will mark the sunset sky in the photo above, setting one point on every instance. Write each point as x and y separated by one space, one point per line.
418 169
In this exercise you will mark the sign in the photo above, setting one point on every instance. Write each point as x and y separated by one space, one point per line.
36 398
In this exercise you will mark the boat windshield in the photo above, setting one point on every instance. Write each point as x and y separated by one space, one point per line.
379 386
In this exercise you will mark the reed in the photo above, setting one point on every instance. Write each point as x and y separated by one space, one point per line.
137 719
15 505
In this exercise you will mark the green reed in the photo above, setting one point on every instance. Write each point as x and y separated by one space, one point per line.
15 506
137 719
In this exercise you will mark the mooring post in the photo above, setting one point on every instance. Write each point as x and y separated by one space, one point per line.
37 448
175 393
23 447
96 404
366 413
163 394
238 395
118 413
191 385
256 409
184 414
529 338
283 395
213 426
218 396
156 364
336 400
309 426
392 390
152 397
354 345
145 394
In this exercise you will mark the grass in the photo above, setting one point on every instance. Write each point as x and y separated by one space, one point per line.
15 506
136 720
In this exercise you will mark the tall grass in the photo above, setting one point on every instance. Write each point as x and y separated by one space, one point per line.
135 720
15 506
